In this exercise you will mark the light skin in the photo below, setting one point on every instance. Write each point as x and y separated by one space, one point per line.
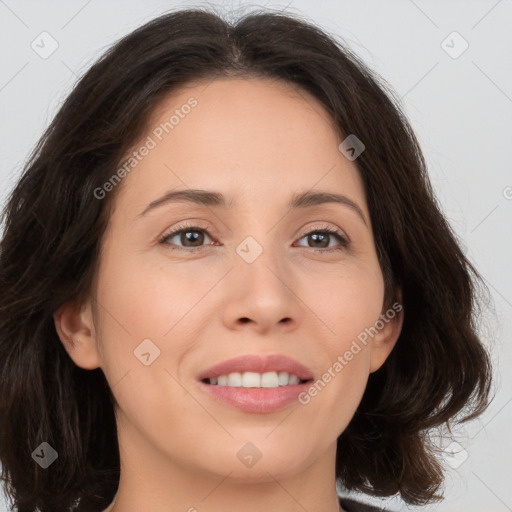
259 142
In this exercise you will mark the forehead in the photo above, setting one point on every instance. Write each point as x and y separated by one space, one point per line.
255 139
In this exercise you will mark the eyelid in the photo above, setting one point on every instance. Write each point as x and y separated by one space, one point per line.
324 227
187 225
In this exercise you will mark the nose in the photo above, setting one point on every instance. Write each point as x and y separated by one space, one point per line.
261 291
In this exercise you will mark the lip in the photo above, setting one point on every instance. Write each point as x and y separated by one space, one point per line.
257 400
259 364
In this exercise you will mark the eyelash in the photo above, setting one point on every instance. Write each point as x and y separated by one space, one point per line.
344 242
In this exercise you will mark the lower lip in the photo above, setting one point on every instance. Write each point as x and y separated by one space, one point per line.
256 400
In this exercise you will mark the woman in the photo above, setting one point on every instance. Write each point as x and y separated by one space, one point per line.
226 284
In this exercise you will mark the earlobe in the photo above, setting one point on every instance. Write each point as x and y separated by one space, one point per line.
75 329
385 339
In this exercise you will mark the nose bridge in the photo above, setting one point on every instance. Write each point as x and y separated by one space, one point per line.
260 254
259 257
256 232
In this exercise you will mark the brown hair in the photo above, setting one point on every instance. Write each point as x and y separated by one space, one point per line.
439 369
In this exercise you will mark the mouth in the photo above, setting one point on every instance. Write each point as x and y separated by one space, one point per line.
256 383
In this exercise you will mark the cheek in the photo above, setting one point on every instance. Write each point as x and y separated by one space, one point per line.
145 298
347 300
348 307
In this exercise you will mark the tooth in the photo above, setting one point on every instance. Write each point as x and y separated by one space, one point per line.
283 378
293 380
251 380
255 380
269 380
235 379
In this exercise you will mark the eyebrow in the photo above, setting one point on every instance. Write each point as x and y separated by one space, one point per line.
218 200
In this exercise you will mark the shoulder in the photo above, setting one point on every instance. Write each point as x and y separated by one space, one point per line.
350 505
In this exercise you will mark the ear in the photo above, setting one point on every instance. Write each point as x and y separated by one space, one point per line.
75 328
384 341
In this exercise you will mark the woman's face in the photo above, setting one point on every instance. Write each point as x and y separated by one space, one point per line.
264 280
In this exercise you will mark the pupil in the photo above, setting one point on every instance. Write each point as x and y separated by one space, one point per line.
321 237
196 235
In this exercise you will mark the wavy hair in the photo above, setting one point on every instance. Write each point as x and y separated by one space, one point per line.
439 369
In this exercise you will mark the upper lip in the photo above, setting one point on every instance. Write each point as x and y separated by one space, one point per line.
259 364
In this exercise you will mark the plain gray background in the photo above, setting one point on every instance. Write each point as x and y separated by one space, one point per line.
459 103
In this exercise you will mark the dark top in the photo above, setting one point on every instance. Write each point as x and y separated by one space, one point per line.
356 506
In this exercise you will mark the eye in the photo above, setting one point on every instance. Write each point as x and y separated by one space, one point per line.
322 236
186 234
